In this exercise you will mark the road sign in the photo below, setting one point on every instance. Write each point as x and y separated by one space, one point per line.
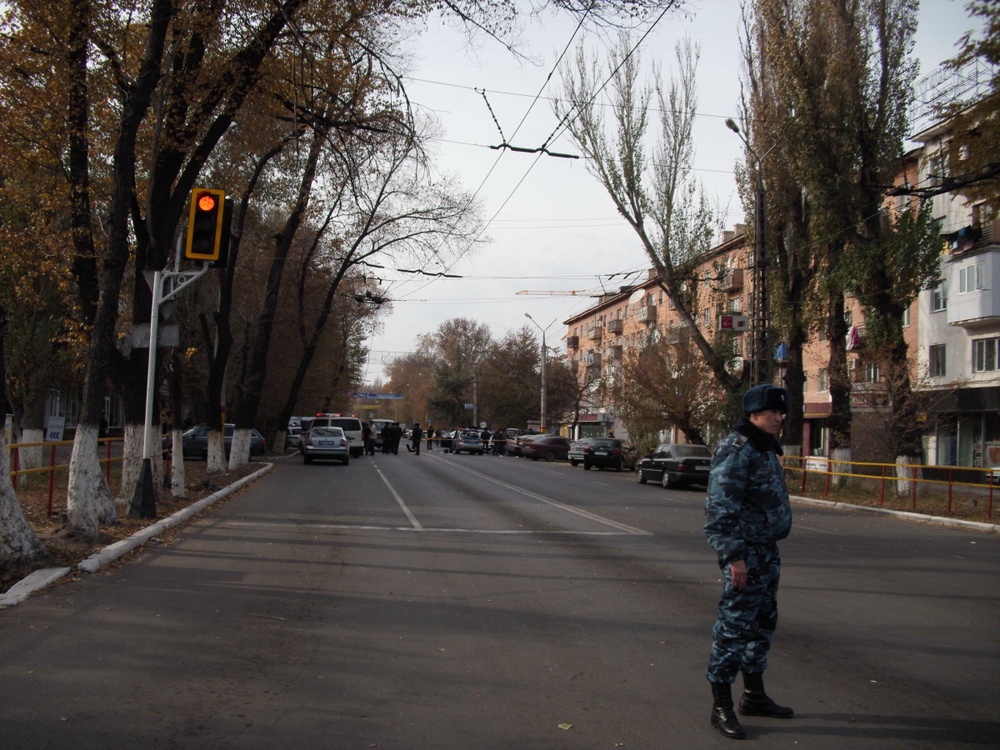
735 323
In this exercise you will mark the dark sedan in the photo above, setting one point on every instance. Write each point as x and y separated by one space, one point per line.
549 447
675 465
608 453
195 442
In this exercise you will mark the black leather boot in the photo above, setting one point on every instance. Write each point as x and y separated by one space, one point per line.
723 716
755 702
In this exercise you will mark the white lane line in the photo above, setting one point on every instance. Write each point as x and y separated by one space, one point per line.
413 519
821 531
556 504
302 526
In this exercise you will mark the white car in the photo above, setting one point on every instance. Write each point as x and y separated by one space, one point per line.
353 430
325 443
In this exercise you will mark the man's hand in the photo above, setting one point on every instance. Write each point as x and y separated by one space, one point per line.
738 573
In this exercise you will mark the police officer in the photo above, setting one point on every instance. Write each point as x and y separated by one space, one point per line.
746 512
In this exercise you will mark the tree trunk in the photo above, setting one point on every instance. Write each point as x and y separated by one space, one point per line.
18 542
906 474
31 458
216 460
131 463
177 478
239 452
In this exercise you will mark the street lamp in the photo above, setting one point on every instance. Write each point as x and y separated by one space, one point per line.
544 415
760 370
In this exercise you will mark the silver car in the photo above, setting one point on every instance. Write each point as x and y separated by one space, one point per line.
325 443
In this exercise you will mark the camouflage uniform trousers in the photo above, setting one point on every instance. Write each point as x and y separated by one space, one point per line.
741 637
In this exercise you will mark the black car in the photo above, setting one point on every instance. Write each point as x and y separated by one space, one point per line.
608 453
195 442
676 465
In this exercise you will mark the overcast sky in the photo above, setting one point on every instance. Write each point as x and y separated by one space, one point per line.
552 227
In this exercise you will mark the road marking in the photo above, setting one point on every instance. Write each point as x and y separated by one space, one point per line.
406 510
370 527
556 504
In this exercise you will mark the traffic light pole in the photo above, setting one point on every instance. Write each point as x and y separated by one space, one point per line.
143 503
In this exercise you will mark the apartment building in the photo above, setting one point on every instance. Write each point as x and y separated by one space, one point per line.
598 338
958 341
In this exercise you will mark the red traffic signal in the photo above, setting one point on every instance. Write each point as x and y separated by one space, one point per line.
208 227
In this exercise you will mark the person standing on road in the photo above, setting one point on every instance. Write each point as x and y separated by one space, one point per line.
415 437
397 436
747 511
369 438
430 437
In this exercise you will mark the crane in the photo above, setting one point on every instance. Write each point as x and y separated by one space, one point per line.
559 293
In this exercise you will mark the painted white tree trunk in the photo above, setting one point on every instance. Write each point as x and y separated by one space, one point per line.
279 442
18 543
131 463
906 474
31 458
177 479
840 465
793 463
239 453
88 501
216 462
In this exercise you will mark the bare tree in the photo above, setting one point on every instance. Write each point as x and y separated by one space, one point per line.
655 193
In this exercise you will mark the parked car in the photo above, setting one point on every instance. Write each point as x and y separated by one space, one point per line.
576 450
608 453
294 436
549 447
468 441
195 442
676 465
514 446
326 443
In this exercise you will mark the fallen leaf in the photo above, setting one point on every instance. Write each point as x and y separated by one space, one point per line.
565 726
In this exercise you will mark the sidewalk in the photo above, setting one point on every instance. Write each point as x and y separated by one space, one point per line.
47 576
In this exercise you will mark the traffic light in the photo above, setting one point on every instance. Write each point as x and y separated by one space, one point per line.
208 227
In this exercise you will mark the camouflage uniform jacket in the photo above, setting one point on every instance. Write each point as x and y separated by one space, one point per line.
747 502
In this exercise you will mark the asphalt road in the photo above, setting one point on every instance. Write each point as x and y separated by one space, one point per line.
443 602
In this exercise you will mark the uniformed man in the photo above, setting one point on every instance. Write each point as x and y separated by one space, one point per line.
746 512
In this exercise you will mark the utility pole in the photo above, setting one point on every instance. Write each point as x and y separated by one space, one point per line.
760 357
545 384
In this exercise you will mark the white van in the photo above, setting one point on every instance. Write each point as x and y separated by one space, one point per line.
378 424
350 425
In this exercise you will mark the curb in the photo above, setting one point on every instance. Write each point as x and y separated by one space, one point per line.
941 520
47 576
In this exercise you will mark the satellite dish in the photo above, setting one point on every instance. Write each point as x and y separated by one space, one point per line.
637 295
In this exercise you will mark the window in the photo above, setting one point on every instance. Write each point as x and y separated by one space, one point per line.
824 381
906 318
736 305
706 318
870 373
939 297
970 278
936 365
984 355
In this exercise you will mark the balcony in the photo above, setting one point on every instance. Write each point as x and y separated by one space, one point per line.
614 326
646 314
733 281
615 351
592 360
572 342
594 333
976 308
